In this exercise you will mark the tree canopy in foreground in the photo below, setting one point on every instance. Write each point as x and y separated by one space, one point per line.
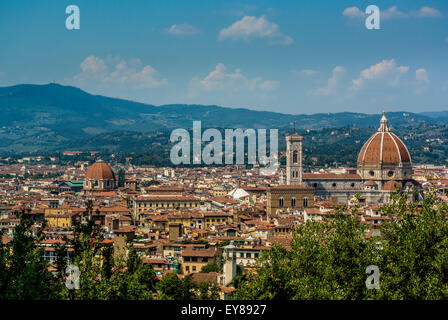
329 260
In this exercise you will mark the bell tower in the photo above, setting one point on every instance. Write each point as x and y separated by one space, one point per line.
294 159
229 268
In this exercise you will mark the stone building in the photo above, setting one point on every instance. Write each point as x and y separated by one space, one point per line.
289 197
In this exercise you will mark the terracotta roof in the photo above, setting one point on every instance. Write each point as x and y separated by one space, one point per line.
114 209
384 147
226 289
166 188
191 252
391 185
155 260
169 197
216 214
201 277
126 229
282 187
332 176
283 241
100 171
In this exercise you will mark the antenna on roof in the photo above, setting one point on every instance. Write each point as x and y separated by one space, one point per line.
294 126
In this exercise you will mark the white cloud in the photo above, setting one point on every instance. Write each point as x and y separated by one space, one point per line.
253 27
220 78
393 12
353 12
386 69
422 81
242 9
92 67
306 72
428 12
332 83
267 85
127 73
422 75
182 29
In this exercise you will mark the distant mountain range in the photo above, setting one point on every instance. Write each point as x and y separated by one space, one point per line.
52 116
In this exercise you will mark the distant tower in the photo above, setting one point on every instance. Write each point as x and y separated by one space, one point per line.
294 159
229 269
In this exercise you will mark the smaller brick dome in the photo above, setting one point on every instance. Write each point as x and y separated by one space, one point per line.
100 170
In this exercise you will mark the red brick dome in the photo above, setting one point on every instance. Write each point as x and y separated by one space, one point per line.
100 170
384 147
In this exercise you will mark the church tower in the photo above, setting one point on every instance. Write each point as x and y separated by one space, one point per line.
294 159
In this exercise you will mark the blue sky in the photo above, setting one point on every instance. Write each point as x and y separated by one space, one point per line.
284 56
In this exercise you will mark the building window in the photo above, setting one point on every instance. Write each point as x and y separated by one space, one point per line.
390 173
293 202
294 157
334 185
371 173
280 202
305 202
353 184
194 268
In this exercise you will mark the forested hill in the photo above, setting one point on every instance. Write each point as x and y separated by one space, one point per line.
52 116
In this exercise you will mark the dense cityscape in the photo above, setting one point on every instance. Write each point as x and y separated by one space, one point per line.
207 224
223 159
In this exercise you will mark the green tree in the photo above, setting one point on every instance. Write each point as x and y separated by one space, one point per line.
211 267
414 259
121 177
326 261
4 272
26 276
207 290
173 288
